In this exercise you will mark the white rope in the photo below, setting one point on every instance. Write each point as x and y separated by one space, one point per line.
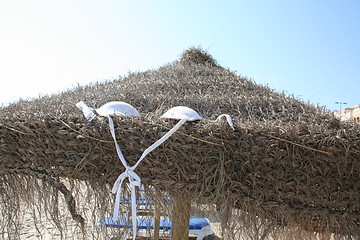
87 111
228 119
161 140
134 179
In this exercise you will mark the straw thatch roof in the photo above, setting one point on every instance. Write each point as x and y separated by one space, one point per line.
286 165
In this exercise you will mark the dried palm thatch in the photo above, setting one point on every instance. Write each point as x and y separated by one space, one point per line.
288 169
197 56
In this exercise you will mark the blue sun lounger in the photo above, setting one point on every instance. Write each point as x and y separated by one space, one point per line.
198 226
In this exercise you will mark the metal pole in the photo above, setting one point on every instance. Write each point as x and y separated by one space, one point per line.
340 103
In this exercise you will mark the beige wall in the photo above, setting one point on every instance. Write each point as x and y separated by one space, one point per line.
352 114
356 113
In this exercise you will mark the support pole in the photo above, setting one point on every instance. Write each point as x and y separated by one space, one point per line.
157 215
180 219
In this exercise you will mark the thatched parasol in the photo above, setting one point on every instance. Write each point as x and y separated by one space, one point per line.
286 164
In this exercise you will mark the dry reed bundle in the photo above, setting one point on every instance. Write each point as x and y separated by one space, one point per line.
287 167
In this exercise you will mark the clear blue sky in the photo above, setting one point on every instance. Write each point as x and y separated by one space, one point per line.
307 48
